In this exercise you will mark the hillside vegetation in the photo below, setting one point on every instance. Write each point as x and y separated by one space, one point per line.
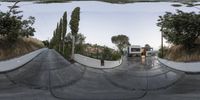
21 47
179 53
182 30
15 34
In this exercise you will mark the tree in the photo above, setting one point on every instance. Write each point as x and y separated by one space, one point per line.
12 26
57 37
147 46
64 31
80 39
107 53
60 34
121 41
46 43
74 24
180 28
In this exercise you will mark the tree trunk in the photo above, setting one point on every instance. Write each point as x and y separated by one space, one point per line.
63 48
73 47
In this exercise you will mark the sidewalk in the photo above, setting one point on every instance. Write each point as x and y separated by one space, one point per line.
191 67
15 63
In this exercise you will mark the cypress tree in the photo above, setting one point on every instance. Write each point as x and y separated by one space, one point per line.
64 30
57 37
74 24
60 28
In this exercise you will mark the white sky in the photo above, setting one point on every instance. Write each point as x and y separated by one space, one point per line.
100 21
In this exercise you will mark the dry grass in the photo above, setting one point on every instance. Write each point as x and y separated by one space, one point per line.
180 53
21 47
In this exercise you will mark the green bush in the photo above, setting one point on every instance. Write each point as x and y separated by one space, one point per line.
12 25
180 28
116 56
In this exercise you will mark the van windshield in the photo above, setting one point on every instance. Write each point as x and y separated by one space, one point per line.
135 49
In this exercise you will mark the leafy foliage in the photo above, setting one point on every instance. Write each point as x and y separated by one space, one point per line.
64 30
121 41
74 22
12 26
100 52
180 28
61 40
46 43
147 46
79 41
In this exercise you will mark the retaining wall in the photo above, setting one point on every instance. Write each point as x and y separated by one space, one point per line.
95 63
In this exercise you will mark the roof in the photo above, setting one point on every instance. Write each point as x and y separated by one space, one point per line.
135 46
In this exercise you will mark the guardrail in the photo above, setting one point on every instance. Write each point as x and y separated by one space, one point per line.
95 63
15 63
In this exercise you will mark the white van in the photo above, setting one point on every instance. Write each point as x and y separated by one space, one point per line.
134 50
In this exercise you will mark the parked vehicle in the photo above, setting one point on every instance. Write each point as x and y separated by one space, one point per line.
134 50
137 50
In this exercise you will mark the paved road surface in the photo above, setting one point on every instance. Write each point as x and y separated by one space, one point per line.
50 77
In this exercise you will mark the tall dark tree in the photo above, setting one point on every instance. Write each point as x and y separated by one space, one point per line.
57 36
64 30
74 26
58 39
74 22
60 34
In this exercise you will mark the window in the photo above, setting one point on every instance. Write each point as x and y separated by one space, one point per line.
135 49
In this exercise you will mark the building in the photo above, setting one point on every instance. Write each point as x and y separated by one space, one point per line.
137 50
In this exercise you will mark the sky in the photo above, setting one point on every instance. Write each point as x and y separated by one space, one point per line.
100 21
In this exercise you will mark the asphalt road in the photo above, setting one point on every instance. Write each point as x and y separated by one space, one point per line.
50 77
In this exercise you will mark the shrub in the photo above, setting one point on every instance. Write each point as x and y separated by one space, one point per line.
180 28
12 26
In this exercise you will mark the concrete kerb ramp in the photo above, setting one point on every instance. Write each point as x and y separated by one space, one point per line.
188 67
15 63
95 63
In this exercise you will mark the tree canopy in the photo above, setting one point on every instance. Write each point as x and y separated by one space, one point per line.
121 41
74 22
147 46
62 40
12 25
180 28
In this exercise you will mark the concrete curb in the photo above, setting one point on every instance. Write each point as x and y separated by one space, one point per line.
191 67
12 64
95 63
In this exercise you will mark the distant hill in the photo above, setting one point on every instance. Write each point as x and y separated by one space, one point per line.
110 1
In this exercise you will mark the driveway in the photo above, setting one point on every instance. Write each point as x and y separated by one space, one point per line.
50 77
